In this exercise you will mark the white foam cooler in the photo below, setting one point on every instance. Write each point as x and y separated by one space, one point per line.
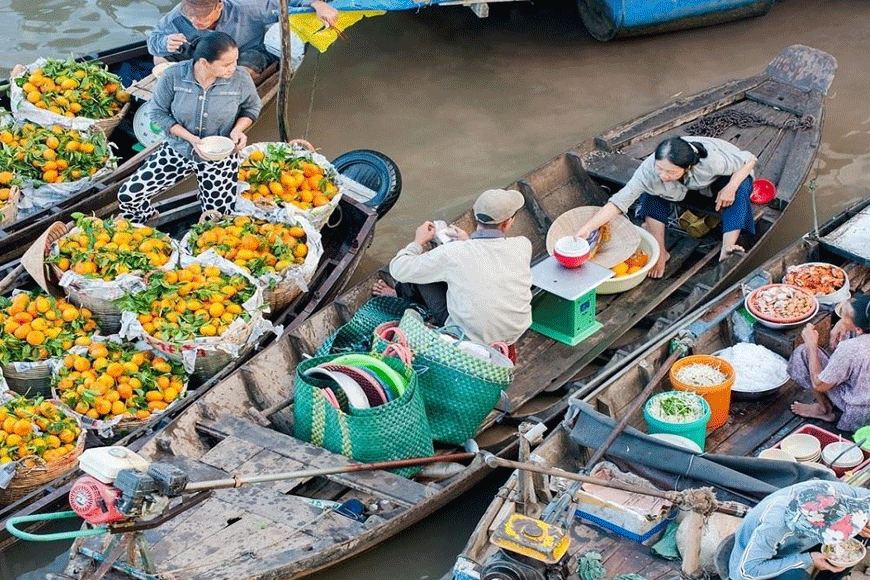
104 463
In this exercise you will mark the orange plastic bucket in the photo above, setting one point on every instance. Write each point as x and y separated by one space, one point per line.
717 396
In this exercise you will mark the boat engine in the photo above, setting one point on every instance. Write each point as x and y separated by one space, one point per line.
121 485
530 549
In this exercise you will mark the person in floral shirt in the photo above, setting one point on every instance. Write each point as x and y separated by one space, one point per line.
781 537
841 381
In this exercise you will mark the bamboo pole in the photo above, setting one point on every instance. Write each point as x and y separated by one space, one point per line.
285 74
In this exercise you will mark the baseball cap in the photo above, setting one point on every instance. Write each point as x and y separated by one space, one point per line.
198 8
494 206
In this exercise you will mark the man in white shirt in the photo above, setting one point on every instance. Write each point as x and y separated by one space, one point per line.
481 283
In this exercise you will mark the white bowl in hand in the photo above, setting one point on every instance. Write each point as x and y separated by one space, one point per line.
216 147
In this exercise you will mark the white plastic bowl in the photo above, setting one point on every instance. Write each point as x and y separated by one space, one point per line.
216 147
850 458
778 454
801 445
651 247
834 297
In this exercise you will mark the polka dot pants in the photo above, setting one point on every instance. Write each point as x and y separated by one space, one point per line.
164 168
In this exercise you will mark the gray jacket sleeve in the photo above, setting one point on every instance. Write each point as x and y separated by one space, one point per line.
413 264
157 38
637 185
161 102
252 104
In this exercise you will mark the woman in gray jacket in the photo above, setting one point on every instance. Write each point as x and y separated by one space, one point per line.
204 96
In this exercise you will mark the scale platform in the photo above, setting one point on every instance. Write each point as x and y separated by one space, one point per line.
565 311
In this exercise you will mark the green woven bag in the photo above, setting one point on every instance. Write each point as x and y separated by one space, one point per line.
459 390
395 430
356 334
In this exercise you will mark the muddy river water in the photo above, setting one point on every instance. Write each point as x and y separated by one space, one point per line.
464 104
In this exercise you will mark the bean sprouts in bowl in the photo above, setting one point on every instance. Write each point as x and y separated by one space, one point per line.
844 554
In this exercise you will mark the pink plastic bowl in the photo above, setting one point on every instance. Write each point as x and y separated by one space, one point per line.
763 191
571 253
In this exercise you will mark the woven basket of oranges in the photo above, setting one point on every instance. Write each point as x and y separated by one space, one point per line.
114 386
200 315
281 257
8 203
100 261
291 176
51 163
34 328
42 437
72 94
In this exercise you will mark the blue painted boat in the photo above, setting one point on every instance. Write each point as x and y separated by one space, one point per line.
609 19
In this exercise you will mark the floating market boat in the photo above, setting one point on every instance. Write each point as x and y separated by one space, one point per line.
278 530
759 419
372 169
609 19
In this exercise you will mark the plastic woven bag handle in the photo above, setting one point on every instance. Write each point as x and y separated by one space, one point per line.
453 330
502 348
390 332
402 352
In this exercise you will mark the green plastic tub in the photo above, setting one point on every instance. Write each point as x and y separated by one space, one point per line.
694 430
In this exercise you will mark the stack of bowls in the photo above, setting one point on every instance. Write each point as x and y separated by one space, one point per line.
365 381
804 447
842 455
778 454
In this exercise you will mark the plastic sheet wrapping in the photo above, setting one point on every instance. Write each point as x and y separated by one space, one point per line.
318 216
237 335
297 275
22 109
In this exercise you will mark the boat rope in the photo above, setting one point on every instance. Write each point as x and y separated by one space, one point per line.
311 101
812 187
717 123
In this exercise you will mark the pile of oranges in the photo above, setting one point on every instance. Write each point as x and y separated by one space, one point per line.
31 428
634 263
50 154
74 89
280 176
189 303
36 326
258 246
107 248
112 379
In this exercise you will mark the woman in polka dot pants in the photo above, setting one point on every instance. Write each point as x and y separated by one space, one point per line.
206 95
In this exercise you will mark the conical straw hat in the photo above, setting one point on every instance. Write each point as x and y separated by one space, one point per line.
624 237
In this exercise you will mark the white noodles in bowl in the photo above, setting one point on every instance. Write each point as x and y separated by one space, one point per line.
756 368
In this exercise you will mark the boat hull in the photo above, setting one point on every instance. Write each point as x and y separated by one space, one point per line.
609 19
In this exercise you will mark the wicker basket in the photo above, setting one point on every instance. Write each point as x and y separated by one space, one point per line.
26 110
10 210
27 479
108 125
33 382
106 313
275 298
209 359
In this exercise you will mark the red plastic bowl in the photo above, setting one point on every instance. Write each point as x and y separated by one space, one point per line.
571 253
763 191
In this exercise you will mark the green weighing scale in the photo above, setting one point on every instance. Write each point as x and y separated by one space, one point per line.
565 309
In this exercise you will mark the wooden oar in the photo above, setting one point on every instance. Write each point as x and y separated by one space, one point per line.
680 351
239 480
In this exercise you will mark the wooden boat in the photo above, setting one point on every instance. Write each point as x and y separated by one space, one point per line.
344 242
17 235
754 424
275 532
609 19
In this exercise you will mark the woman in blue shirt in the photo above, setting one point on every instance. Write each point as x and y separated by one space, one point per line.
204 96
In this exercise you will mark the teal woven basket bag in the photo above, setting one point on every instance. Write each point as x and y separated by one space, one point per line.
356 334
459 390
395 430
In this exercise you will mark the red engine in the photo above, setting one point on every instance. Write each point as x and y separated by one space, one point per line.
95 501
